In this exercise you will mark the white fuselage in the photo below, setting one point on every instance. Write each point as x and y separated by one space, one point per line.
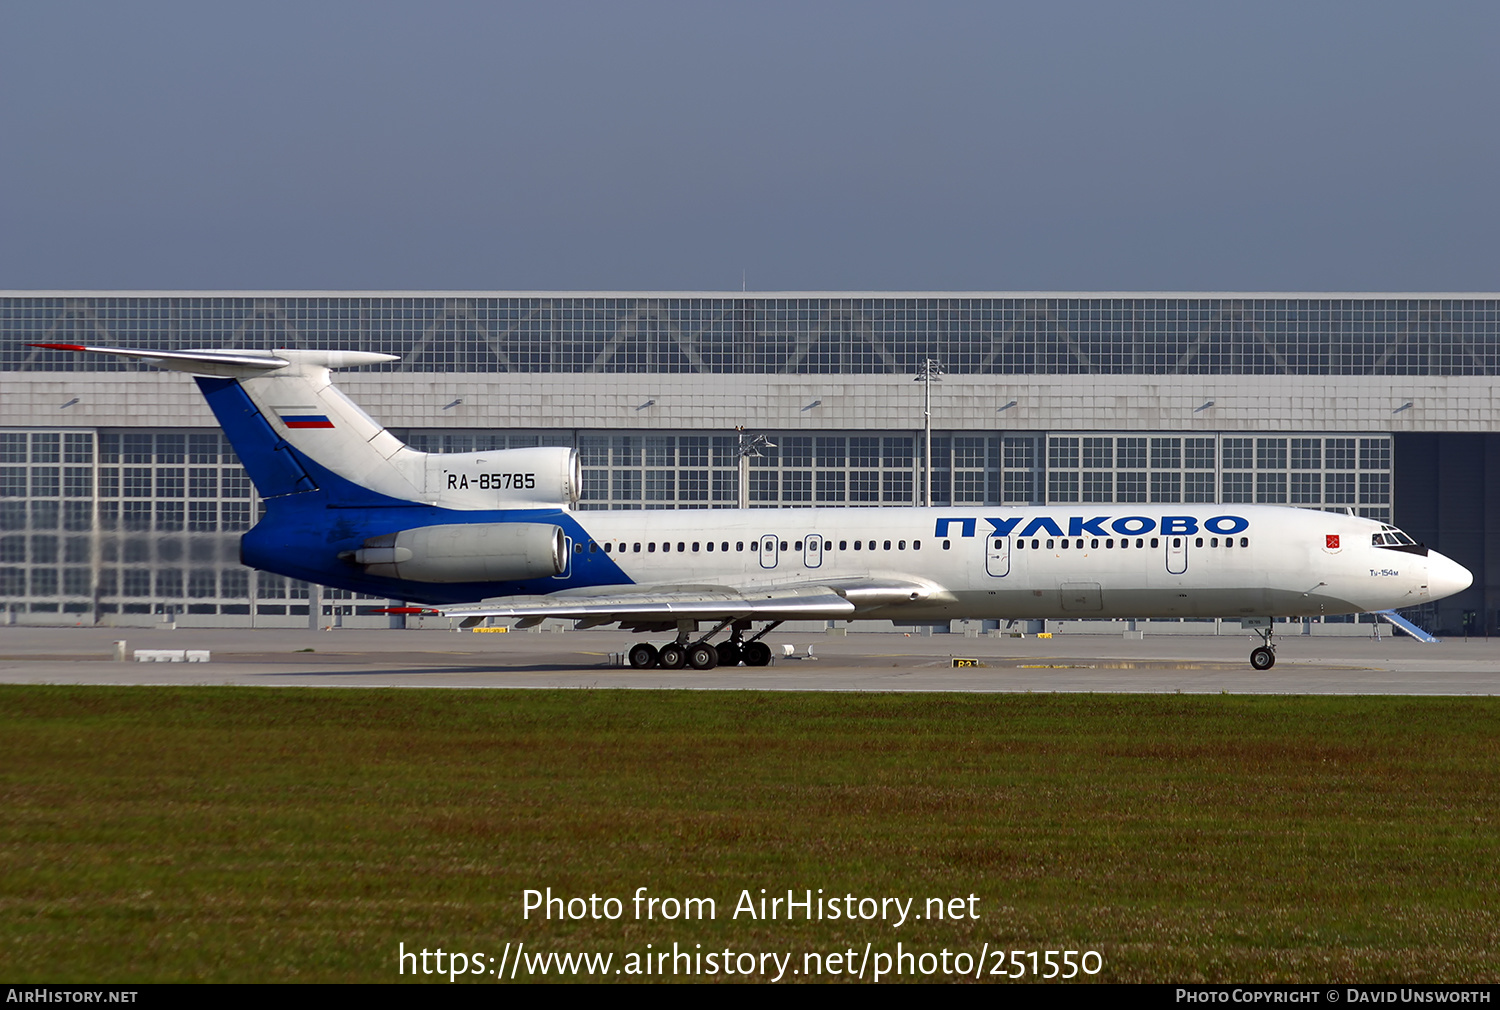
1281 561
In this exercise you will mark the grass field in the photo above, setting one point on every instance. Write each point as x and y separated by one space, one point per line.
156 834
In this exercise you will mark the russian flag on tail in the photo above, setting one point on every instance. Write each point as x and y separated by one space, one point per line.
304 420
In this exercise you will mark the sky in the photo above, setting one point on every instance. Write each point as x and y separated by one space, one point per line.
822 146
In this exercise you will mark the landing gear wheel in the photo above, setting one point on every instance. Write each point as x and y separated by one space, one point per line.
729 654
703 657
756 654
1262 658
643 656
672 657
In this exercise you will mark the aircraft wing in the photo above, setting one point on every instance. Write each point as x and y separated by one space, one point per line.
665 605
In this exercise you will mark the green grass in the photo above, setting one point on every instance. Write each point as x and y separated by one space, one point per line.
155 834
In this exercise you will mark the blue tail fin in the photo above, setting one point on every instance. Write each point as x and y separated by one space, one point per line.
273 465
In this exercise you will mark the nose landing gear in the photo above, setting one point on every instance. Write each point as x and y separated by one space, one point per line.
1263 657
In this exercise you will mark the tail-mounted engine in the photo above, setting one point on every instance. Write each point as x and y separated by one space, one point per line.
465 552
504 478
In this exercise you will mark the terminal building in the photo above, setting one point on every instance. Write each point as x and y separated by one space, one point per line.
120 502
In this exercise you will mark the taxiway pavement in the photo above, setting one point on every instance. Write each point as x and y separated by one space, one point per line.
857 662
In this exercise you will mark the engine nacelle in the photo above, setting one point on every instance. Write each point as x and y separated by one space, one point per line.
466 552
504 478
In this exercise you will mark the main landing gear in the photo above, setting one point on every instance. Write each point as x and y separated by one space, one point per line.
1264 656
700 655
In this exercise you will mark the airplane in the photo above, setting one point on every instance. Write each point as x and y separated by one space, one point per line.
474 535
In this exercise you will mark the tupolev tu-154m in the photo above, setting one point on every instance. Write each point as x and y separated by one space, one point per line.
474 535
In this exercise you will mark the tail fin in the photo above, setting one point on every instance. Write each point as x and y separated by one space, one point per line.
297 432
270 462
270 403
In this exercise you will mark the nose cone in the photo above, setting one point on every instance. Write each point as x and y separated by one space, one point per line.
1446 576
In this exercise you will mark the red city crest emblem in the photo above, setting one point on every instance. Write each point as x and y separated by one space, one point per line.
1332 542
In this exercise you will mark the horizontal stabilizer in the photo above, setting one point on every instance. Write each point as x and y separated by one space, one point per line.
198 362
1408 627
231 363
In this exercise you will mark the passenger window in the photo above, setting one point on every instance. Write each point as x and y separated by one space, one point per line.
1198 542
651 547
681 547
843 545
1035 545
887 545
1049 544
578 548
916 545
857 544
1020 545
1244 541
607 547
638 548
783 545
1093 544
947 544
901 545
754 545
1065 545
695 546
1109 545
593 547
1154 543
798 546
724 546
710 546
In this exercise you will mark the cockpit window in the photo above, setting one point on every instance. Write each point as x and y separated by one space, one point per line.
1394 539
1390 536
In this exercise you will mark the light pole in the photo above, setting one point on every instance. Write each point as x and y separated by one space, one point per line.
928 373
750 445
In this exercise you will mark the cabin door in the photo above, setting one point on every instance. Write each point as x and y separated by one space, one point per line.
997 556
1177 555
812 551
768 551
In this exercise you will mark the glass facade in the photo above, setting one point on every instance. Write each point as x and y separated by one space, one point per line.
96 524
996 334
1335 472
